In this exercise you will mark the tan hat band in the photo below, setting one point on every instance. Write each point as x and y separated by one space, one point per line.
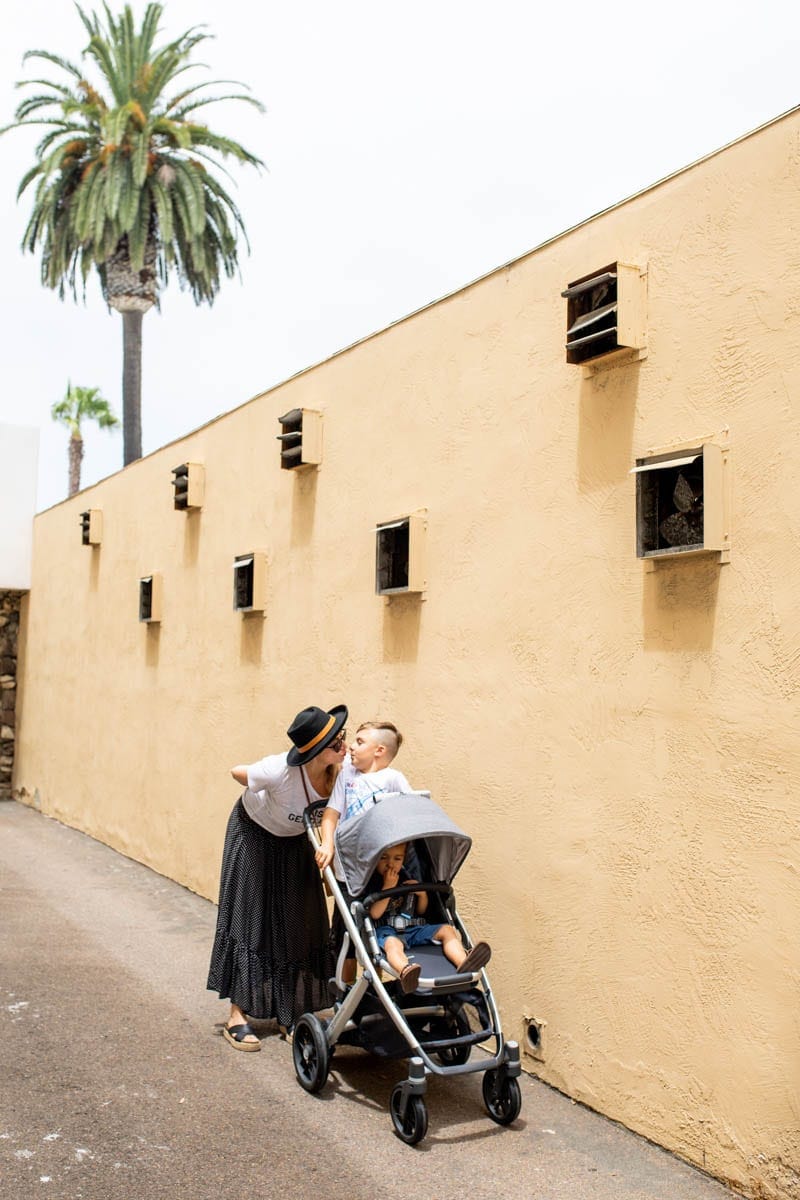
318 738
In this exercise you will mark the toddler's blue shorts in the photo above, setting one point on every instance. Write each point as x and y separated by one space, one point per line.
417 935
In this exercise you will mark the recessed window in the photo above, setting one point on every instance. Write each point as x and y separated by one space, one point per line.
150 598
188 480
400 555
681 502
249 582
92 527
605 312
300 438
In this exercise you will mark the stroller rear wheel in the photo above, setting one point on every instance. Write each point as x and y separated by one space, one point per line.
502 1097
412 1127
310 1053
453 1025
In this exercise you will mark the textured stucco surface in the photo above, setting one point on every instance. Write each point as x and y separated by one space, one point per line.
620 742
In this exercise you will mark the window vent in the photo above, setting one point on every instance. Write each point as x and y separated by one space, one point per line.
150 591
605 312
188 480
92 527
400 555
681 502
250 582
300 438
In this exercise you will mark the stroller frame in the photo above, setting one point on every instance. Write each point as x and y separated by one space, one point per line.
437 1006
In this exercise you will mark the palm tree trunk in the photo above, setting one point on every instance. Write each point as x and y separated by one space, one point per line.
131 385
75 458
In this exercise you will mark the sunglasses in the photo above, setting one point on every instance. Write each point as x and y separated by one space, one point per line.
340 740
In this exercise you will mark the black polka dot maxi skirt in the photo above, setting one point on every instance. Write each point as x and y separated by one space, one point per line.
271 954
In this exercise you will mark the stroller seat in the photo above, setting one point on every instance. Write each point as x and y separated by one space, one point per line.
437 973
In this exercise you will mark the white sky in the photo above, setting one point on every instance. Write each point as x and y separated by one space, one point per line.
410 148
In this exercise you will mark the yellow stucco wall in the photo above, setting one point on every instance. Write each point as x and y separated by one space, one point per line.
620 742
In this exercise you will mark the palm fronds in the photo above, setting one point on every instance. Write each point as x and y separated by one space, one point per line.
124 163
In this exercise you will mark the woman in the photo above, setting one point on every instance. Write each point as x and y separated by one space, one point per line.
270 955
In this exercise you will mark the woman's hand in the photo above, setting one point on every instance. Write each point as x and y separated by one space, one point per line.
324 857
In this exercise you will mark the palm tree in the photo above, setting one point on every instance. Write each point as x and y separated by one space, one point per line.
81 404
122 180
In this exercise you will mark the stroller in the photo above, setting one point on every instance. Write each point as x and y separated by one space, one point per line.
434 1027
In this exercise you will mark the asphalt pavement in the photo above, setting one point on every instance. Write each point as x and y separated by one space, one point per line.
115 1083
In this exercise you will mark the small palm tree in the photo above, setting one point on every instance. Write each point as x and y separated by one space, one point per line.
81 404
122 181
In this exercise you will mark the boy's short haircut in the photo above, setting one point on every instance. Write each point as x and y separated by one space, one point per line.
387 732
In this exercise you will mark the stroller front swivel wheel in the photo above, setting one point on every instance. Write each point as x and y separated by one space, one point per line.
502 1097
310 1053
412 1126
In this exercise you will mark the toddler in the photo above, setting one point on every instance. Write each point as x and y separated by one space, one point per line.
391 873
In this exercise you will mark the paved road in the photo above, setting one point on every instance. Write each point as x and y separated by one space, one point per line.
115 1083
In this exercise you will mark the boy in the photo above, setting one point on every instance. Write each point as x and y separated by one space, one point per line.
391 873
369 772
371 752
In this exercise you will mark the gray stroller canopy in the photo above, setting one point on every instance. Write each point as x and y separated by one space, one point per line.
396 818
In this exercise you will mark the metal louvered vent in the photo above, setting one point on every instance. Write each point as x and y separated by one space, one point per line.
249 582
150 598
300 438
592 316
606 313
391 564
243 582
291 439
145 598
681 502
92 527
188 480
400 555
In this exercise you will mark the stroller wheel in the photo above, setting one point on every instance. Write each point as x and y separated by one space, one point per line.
310 1053
412 1127
502 1097
454 1025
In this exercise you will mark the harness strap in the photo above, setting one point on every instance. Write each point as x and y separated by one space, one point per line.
305 786
402 923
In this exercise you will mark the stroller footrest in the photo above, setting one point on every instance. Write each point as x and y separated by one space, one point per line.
461 978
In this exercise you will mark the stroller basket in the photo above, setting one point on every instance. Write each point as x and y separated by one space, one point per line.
430 1026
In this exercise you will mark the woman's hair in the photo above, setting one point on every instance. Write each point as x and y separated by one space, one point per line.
388 733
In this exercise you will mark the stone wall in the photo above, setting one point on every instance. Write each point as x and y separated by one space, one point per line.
9 627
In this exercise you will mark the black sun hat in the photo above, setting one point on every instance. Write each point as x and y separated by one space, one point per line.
312 730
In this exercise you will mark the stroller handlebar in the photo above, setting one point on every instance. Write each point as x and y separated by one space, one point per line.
310 817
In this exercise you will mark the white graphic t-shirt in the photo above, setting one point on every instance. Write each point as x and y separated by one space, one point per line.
275 797
354 792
